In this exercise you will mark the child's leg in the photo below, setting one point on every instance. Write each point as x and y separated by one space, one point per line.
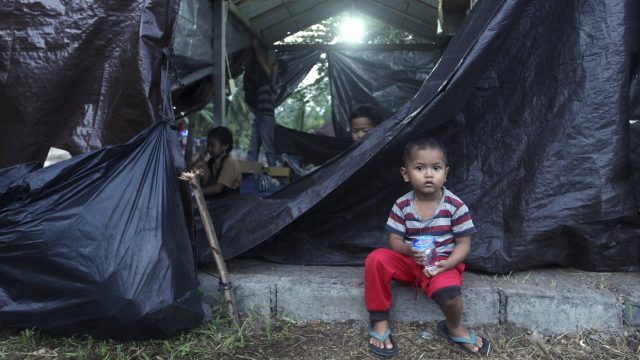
446 290
380 267
452 310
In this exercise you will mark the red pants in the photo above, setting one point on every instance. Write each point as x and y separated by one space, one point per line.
382 265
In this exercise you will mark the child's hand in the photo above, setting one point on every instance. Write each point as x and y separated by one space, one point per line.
442 267
418 256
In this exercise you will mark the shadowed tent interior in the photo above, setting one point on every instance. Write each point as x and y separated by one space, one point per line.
521 100
535 101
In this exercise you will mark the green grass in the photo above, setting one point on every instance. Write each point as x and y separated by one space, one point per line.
263 337
218 336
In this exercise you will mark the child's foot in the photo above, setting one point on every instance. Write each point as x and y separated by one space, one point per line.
380 327
463 332
465 339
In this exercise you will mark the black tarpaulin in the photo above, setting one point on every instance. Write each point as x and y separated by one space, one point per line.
79 75
192 54
310 148
532 100
193 40
98 245
384 79
634 125
299 63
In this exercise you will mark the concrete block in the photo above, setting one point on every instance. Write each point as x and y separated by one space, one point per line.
321 302
481 305
318 298
575 301
566 310
406 307
630 297
250 293
631 314
208 288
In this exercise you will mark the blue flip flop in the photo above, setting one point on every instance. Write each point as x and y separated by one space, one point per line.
460 341
384 352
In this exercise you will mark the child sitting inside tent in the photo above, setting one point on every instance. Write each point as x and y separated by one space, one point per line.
362 120
221 171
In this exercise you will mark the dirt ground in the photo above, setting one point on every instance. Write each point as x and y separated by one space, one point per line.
283 339
348 340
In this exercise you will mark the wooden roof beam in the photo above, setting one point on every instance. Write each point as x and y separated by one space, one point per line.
303 20
233 10
384 8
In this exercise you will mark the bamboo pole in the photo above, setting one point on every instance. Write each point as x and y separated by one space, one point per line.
193 178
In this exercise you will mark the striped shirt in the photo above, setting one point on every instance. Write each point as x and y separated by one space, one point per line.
451 219
266 96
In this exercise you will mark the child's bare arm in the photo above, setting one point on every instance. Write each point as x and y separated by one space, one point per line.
397 244
261 57
460 252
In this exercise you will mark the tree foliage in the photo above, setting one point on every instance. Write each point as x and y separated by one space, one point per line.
309 107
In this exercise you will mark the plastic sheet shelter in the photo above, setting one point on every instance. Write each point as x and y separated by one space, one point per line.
384 79
532 99
96 244
398 74
79 76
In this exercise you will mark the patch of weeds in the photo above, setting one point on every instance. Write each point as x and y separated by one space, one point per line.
83 347
103 350
178 348
269 324
221 334
28 339
119 353
285 324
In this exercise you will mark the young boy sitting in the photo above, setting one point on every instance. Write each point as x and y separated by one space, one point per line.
429 209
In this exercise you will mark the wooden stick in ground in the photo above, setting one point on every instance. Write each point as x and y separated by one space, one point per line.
193 178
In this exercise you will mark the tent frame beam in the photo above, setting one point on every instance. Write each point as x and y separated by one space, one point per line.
358 47
219 61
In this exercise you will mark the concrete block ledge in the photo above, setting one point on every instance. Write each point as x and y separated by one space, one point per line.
548 301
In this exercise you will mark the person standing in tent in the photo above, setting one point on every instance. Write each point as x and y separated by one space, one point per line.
362 120
221 171
433 211
264 122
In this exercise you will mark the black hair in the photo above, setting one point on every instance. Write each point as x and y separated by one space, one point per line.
422 143
366 111
224 137
222 134
282 66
